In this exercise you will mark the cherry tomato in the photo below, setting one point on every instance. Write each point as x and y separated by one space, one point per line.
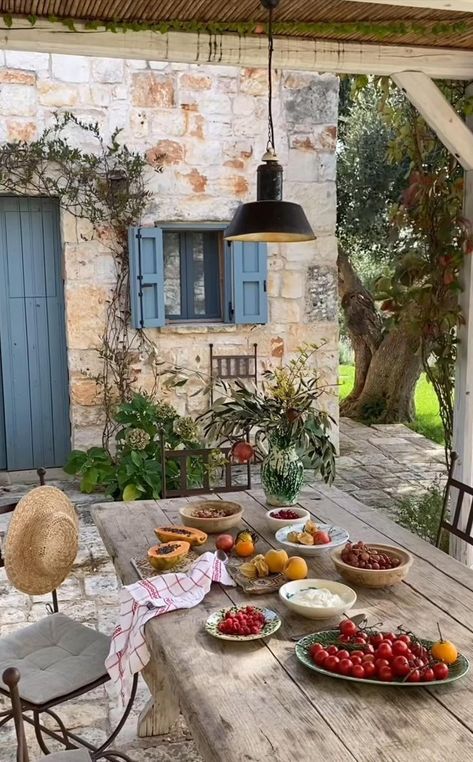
400 666
347 627
315 648
357 653
389 636
405 639
370 669
360 639
345 667
356 659
414 676
332 650
331 663
367 658
440 671
380 663
358 671
427 675
400 648
385 674
368 649
320 657
376 640
345 639
384 651
343 654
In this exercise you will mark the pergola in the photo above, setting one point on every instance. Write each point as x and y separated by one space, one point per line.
412 41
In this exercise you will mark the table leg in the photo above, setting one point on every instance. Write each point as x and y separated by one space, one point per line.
161 712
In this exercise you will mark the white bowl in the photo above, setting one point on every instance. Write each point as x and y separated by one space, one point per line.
275 524
317 612
338 537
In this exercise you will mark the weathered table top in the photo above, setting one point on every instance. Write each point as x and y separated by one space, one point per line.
254 701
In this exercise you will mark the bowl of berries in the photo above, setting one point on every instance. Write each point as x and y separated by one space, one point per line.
242 623
373 564
285 517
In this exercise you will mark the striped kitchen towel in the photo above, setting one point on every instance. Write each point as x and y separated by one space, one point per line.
128 649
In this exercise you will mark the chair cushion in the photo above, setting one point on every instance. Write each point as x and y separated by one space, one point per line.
75 755
55 657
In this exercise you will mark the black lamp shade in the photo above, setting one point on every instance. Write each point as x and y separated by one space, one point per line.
271 221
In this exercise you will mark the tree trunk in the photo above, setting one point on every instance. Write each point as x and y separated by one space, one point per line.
387 366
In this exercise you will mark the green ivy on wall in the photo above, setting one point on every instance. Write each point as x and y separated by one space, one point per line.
380 30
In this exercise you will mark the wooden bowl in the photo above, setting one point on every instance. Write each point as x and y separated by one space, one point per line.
212 525
375 577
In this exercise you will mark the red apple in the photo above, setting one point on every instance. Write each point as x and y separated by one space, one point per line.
224 542
242 452
321 538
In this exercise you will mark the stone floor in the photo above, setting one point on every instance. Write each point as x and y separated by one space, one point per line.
377 465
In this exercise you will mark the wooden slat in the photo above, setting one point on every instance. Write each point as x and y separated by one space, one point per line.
460 6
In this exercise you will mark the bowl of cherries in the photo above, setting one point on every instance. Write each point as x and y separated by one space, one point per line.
373 564
284 517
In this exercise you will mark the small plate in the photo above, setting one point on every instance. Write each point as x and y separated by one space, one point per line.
339 537
273 623
457 670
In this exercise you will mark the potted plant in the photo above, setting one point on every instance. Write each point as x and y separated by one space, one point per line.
290 430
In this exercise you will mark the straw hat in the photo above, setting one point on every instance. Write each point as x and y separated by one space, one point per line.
42 541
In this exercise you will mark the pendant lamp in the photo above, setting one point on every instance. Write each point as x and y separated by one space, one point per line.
269 218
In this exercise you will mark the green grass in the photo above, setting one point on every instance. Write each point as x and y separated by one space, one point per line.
427 420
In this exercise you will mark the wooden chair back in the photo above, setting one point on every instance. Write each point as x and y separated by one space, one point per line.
453 524
182 458
11 678
231 367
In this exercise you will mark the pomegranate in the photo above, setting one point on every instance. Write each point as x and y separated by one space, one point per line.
242 452
224 542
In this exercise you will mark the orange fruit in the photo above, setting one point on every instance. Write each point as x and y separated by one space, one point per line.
444 651
276 560
244 548
296 568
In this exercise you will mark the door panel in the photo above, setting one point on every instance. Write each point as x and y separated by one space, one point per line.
32 335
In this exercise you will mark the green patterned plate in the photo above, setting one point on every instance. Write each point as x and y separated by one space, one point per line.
457 670
273 623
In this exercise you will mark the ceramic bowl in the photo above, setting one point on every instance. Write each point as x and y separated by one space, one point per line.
275 524
338 536
212 525
375 577
317 612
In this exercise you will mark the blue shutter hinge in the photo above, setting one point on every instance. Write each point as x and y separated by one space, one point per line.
140 279
264 285
231 311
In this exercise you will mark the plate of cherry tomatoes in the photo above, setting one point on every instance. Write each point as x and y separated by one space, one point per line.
243 623
369 655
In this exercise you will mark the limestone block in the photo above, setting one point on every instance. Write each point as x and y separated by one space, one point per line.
85 326
292 284
150 90
139 123
244 105
78 262
206 101
70 68
100 95
187 81
85 361
254 81
168 123
84 391
310 99
20 59
16 77
321 294
318 201
84 437
18 100
205 154
107 69
118 117
322 139
219 128
158 65
167 152
21 130
285 311
51 94
274 283
313 167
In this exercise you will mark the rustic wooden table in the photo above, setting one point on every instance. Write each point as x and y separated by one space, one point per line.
253 702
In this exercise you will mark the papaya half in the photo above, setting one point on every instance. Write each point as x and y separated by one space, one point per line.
166 555
176 533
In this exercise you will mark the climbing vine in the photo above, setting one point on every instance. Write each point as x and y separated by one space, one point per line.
104 185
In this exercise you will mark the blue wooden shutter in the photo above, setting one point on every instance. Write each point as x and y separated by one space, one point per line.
146 277
250 268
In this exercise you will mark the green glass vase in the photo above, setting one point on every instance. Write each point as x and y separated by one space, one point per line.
282 475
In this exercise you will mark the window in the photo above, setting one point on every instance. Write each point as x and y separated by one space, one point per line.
191 274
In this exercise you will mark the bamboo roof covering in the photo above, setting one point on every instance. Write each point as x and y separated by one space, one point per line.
339 20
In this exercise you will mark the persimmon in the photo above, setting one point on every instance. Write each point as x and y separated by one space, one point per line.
244 548
296 568
276 560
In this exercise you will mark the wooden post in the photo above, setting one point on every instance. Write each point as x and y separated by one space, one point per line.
463 412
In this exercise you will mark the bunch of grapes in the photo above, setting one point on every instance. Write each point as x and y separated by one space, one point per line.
363 557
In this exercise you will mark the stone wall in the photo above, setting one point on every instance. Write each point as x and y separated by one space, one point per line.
210 125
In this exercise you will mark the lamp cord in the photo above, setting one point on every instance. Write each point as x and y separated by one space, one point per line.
270 82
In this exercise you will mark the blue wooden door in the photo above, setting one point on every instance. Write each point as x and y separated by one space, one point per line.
33 359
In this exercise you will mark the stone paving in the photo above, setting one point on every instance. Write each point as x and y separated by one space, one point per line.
377 465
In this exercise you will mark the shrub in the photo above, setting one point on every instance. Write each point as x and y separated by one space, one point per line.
135 472
421 514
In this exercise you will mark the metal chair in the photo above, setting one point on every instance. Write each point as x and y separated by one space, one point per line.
453 525
230 367
11 678
182 458
59 659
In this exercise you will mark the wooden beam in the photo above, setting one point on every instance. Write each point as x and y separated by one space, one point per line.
461 6
230 49
430 102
